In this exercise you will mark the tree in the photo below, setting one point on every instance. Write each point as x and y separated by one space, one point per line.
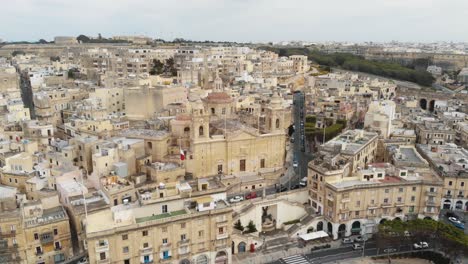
83 39
251 227
238 225
42 41
158 67
17 52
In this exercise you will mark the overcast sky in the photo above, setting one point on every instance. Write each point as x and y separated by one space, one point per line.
239 20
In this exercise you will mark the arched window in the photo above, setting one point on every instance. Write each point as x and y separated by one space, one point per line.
277 123
200 131
213 111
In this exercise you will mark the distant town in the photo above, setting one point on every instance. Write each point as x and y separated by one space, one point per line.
129 149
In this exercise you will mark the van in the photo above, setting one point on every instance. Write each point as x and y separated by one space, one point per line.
357 246
303 182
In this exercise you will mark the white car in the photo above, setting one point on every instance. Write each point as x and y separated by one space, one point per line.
390 250
357 246
295 164
347 241
420 245
236 199
454 220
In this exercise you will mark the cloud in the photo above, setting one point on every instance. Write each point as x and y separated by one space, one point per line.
239 20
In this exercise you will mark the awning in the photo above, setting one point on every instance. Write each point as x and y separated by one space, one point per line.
202 200
314 235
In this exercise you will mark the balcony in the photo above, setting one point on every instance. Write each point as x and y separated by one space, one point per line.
102 247
104 261
146 250
430 202
165 246
39 253
387 204
447 196
222 236
166 260
8 234
344 210
345 200
183 242
331 198
460 196
431 193
372 206
147 262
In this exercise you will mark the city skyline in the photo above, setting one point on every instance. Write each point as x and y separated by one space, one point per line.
241 21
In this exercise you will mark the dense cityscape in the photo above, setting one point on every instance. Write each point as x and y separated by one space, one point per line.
138 149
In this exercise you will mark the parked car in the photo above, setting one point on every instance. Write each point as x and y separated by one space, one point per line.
297 186
407 233
347 240
283 188
303 182
251 195
357 246
360 239
83 260
421 245
236 199
453 219
459 224
295 164
390 250
292 140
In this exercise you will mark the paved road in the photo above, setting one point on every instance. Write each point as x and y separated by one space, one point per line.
344 252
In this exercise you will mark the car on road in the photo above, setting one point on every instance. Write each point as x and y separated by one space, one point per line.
390 250
83 260
360 239
283 188
357 246
251 195
453 219
420 245
297 186
459 224
295 164
347 240
303 182
236 199
292 140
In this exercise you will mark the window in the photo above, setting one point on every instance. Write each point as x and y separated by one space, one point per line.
146 259
385 201
400 189
413 198
38 250
462 184
166 254
57 245
223 111
221 230
262 163
220 168
183 237
164 229
102 255
125 250
399 199
411 209
145 245
200 131
145 233
414 189
127 261
55 231
164 208
356 213
164 241
200 233
387 190
432 189
36 236
450 183
182 225
358 203
242 165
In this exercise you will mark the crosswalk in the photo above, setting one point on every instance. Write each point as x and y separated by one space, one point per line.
296 259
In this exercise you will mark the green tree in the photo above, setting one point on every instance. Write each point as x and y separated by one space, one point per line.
251 227
83 39
238 225
157 67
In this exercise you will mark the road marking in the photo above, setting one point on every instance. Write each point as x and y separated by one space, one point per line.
296 259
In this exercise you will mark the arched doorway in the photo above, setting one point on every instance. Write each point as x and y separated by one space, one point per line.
423 104
356 228
427 218
184 261
319 226
459 205
241 247
397 219
221 257
330 228
202 259
431 105
383 220
447 204
341 231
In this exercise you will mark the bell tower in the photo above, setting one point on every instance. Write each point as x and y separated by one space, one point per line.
200 124
275 114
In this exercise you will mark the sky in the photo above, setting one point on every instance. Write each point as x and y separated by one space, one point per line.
239 20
